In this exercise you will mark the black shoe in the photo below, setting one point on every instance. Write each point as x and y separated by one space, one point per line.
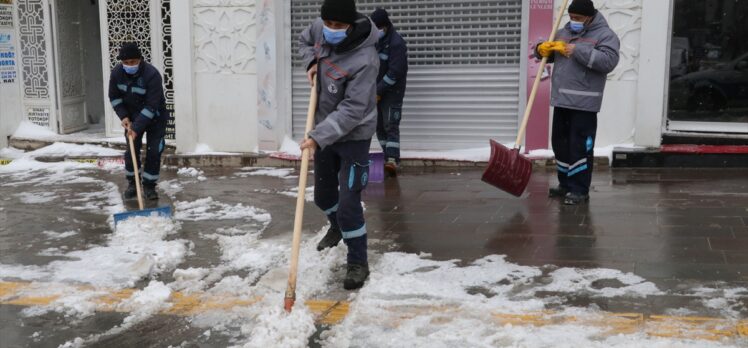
131 191
149 192
575 198
557 192
391 167
355 276
331 239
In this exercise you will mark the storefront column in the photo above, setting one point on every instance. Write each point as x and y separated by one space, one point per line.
651 101
273 73
11 110
184 91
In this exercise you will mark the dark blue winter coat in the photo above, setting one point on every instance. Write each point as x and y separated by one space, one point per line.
139 97
393 63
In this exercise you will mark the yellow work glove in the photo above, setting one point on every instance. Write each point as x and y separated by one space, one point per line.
547 48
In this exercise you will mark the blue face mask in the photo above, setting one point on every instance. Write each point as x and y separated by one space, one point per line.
576 26
131 69
382 33
334 36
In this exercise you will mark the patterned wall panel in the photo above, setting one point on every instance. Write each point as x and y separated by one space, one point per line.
224 3
225 35
33 49
625 18
128 20
168 63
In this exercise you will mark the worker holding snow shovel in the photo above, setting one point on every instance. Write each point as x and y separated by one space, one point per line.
339 54
391 82
586 51
137 95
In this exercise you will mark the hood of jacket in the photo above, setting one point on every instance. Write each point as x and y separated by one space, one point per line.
363 34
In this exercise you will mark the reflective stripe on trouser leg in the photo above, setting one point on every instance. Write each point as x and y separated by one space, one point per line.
354 171
360 232
560 143
381 128
326 183
156 145
393 129
583 129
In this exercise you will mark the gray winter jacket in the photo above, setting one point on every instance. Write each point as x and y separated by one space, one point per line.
579 81
346 82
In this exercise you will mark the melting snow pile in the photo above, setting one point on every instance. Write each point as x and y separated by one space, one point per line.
283 173
138 249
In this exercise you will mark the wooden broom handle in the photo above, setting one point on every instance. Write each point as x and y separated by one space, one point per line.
298 220
536 84
134 158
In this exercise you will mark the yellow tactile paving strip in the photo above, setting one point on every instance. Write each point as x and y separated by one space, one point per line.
333 312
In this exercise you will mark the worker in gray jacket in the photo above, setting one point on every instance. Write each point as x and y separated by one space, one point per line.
587 50
339 54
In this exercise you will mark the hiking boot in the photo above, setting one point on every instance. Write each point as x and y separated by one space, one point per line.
575 198
391 167
149 192
131 192
557 192
355 276
331 239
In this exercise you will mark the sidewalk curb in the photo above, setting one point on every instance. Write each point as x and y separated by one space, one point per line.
262 160
245 159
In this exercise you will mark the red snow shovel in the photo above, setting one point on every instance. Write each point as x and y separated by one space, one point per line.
297 224
507 169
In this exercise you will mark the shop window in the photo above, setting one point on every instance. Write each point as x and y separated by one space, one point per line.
709 61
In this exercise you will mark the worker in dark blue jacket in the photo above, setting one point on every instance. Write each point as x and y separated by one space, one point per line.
391 82
137 95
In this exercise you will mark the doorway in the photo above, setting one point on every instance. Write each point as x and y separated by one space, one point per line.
76 41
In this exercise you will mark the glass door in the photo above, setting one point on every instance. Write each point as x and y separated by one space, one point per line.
709 67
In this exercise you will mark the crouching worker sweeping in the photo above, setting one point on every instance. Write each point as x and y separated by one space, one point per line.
137 96
586 51
339 53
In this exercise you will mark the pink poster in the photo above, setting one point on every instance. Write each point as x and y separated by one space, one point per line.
541 23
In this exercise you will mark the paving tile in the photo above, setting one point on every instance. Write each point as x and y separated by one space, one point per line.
697 231
695 220
690 271
732 244
737 258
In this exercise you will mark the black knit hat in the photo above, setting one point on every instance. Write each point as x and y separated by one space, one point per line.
343 11
130 50
583 7
381 18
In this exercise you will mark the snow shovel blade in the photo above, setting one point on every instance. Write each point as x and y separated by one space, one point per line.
160 211
507 170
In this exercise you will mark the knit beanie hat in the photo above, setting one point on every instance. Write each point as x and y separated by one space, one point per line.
583 7
343 11
130 50
381 18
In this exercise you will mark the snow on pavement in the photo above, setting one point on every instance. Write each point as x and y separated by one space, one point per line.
410 300
283 173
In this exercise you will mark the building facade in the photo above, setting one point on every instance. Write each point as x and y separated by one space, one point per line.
234 83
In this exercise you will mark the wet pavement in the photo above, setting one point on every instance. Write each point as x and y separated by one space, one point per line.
677 228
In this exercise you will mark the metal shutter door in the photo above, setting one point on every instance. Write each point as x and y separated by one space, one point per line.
463 82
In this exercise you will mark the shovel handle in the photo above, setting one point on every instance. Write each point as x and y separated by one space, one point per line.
538 76
136 167
290 297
